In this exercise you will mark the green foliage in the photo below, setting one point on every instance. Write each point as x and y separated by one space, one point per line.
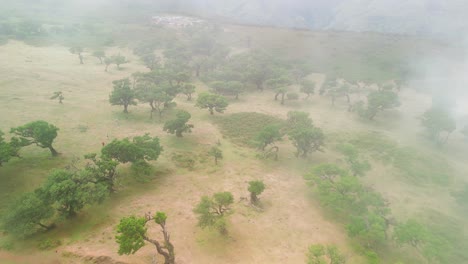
378 101
211 101
151 61
233 88
303 134
279 86
58 95
27 215
140 148
364 210
255 188
131 233
352 156
77 50
412 165
8 150
71 191
411 232
438 121
292 96
100 54
179 125
39 133
267 136
151 88
188 90
320 254
462 197
122 94
48 243
244 128
118 60
216 153
184 160
102 169
212 211
307 87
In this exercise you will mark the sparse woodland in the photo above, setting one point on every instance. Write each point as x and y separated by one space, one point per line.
239 145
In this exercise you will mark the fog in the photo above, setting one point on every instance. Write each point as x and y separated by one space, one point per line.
235 131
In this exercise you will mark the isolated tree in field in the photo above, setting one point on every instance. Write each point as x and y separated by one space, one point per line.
320 254
132 234
307 87
338 91
151 61
71 191
378 101
100 54
179 125
27 215
58 95
103 169
213 102
233 88
107 62
39 133
352 157
268 136
141 148
119 60
255 188
212 211
78 51
279 86
188 89
216 153
8 150
439 124
122 94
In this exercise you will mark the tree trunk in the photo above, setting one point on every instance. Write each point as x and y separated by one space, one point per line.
44 226
100 59
211 111
53 151
81 58
276 96
189 97
107 66
168 258
253 198
216 160
282 98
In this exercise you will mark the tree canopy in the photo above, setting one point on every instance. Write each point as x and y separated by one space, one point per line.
39 133
213 102
140 148
438 121
212 211
303 134
122 94
179 125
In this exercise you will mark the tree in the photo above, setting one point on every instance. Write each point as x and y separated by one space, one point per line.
103 169
306 139
378 101
140 148
155 94
122 94
151 61
8 150
132 234
438 121
179 125
58 95
307 87
279 85
211 101
212 211
119 60
100 54
352 157
27 215
216 153
77 50
320 254
71 191
255 189
107 61
228 88
188 90
38 132
269 135
411 232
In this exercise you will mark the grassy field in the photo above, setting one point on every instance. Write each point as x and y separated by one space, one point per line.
413 176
